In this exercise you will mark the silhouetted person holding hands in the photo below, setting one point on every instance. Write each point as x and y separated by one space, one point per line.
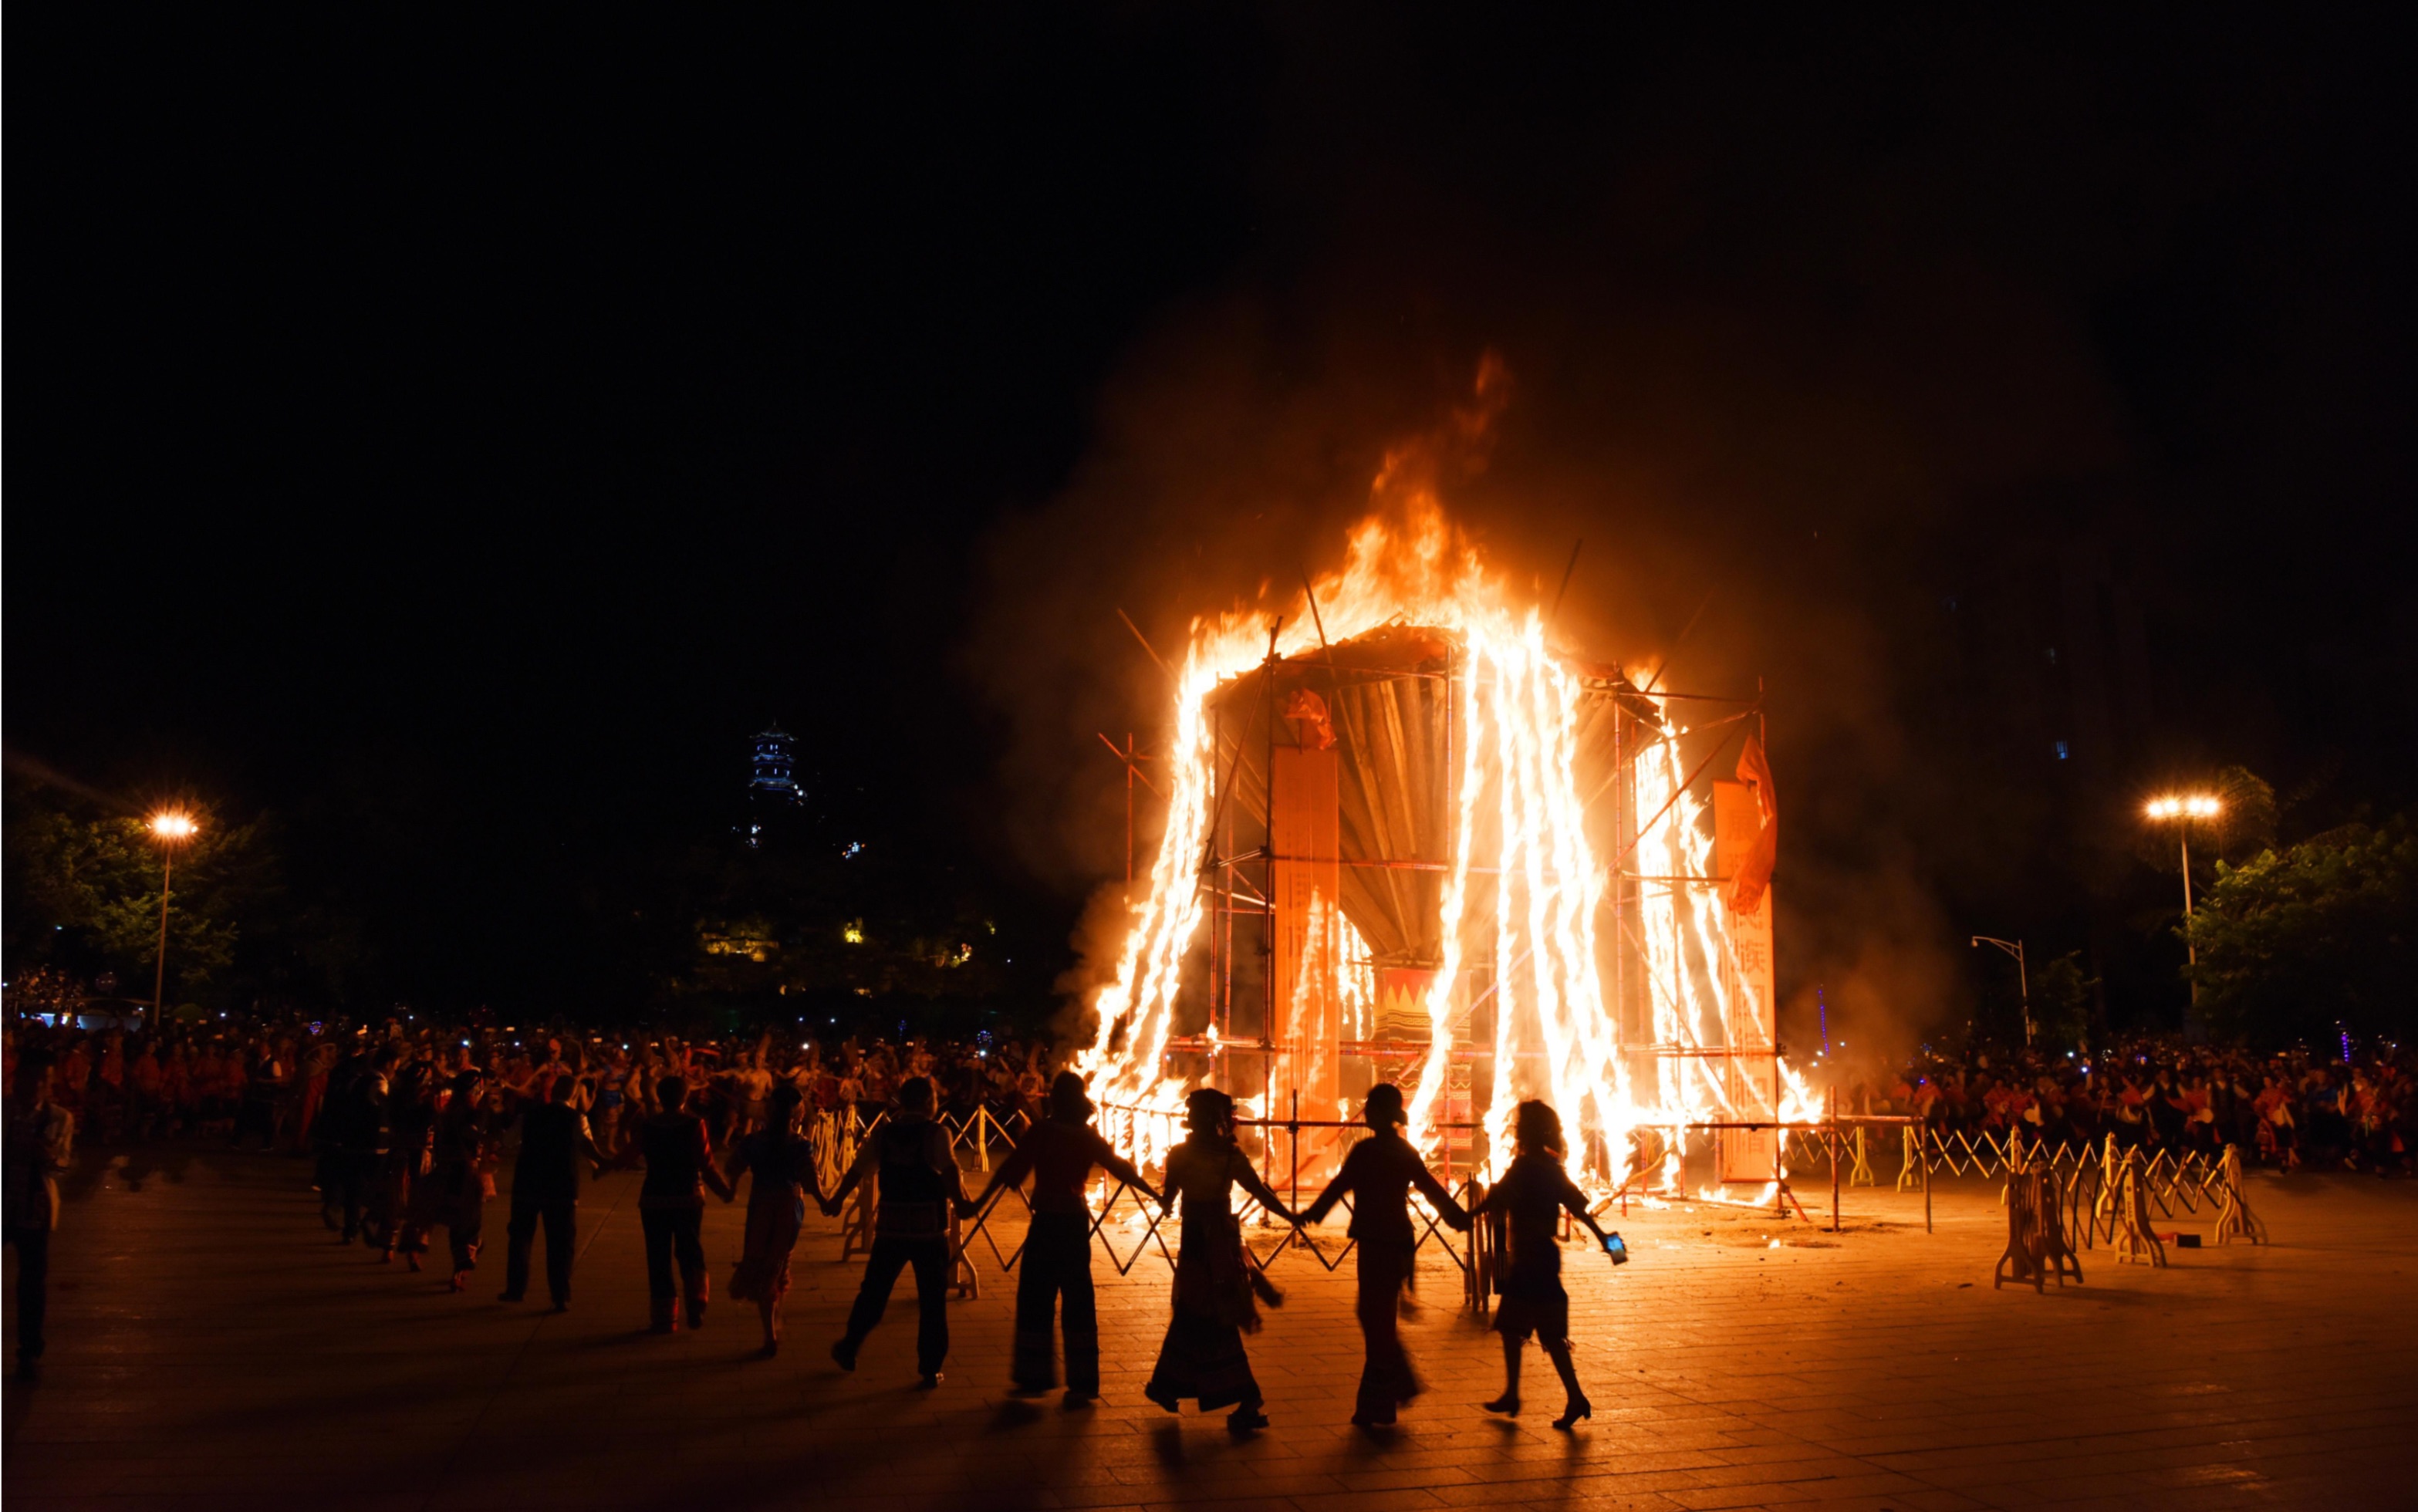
40 1140
909 1154
1378 1175
783 1163
1534 1194
1202 1355
671 1204
1059 1153
546 1189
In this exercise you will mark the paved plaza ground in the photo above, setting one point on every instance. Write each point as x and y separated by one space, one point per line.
211 1347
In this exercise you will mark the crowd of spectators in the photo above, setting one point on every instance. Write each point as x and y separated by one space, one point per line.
2319 1109
266 1081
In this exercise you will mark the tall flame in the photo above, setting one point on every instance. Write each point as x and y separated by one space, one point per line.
1520 830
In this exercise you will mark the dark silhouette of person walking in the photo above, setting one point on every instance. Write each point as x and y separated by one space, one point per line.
1202 1355
910 1155
453 1192
671 1204
1060 1152
546 1189
1378 1174
1534 1194
40 1140
783 1163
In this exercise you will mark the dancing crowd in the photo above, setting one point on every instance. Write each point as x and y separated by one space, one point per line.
2352 1110
407 1127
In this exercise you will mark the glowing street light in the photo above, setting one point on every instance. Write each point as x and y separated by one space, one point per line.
172 830
2181 809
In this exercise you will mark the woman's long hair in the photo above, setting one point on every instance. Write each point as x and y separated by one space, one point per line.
1537 1130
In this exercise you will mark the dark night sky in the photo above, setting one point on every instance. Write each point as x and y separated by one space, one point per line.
456 442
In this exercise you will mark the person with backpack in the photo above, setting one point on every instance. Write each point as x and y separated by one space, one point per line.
910 1156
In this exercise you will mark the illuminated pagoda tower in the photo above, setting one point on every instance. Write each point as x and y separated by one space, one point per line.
775 778
773 786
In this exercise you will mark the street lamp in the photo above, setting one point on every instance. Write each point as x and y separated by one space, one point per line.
2023 976
2181 810
172 830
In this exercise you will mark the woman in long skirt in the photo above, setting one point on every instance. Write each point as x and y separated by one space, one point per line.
1202 1357
784 1164
1534 1194
1378 1175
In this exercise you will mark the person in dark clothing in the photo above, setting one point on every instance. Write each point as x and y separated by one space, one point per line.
1060 1154
454 1191
1378 1175
1534 1194
41 1138
1202 1355
782 1161
352 1131
671 1204
910 1155
545 1187
411 1141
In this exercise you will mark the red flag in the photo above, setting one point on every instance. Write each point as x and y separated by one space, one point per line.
1753 872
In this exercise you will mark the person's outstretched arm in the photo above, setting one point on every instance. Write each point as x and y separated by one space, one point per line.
1106 1157
944 1160
1576 1201
1248 1180
869 1155
1346 1181
1010 1173
705 1167
738 1164
1433 1191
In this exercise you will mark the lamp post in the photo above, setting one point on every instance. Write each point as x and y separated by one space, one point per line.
172 830
2181 811
2023 976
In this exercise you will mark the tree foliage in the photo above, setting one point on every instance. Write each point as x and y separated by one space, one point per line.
84 895
2299 939
2061 1004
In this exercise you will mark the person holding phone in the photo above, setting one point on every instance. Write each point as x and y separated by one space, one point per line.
1533 1195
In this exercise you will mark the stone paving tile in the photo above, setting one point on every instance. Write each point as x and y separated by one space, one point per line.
212 1348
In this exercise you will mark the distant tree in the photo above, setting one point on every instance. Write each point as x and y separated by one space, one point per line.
2061 996
2299 939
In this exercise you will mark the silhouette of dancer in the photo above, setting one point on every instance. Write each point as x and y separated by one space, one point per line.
411 1132
1059 1153
40 1140
1533 1193
1202 1357
1379 1174
919 1176
546 1189
672 1203
453 1192
783 1163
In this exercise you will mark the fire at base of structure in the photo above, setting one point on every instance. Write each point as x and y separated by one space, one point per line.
1450 858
